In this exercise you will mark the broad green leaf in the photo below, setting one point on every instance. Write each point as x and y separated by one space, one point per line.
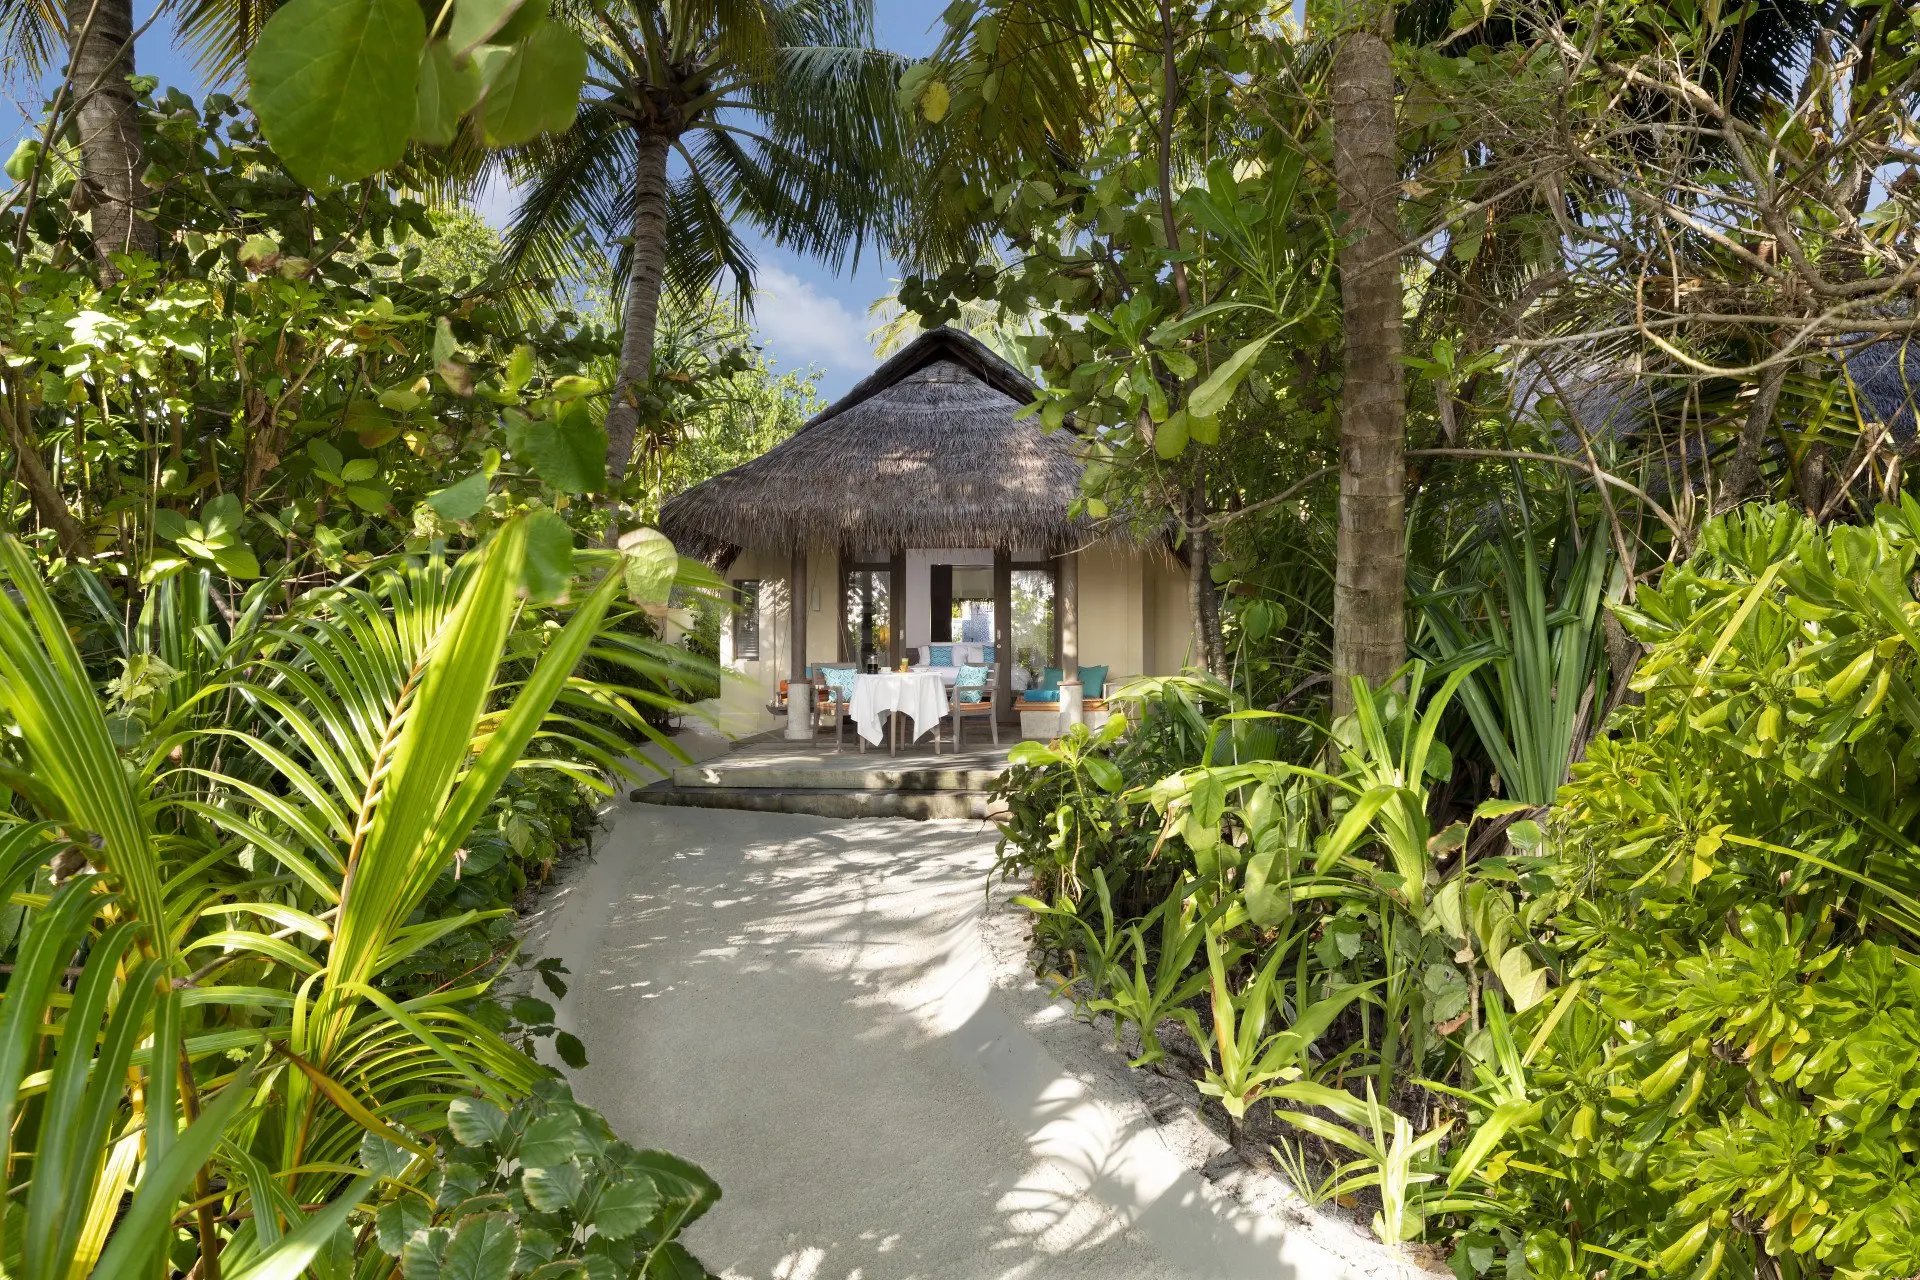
530 1010
461 500
553 1186
23 159
680 1181
325 455
475 1121
169 524
548 571
552 1139
382 1158
420 1257
1211 396
650 564
625 1207
478 22
570 454
370 498
482 1249
536 88
1526 982
1170 437
397 1220
571 1051
519 367
358 469
446 92
333 84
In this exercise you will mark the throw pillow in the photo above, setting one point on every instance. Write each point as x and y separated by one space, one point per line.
1051 697
986 653
939 655
1049 679
840 680
1093 680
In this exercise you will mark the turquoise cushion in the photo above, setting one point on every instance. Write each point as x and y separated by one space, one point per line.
1094 680
986 654
939 655
1041 695
971 684
840 680
1049 680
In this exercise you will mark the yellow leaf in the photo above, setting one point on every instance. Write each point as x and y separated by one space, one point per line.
934 100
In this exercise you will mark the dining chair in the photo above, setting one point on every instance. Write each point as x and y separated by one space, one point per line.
978 696
836 688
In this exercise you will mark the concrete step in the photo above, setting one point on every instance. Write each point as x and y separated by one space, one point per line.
824 802
835 777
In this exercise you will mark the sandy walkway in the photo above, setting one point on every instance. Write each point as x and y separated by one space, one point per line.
804 1007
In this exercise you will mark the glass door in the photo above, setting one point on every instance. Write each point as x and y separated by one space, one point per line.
866 590
1034 634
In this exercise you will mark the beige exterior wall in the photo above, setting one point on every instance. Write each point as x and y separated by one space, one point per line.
1112 613
1134 618
1169 640
748 684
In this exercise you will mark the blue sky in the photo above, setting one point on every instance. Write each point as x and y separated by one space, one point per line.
806 316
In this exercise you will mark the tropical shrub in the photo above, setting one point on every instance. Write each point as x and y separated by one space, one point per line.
545 1189
1669 1027
225 870
1736 872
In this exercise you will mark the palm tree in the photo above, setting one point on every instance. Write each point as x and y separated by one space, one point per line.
1369 594
96 104
700 116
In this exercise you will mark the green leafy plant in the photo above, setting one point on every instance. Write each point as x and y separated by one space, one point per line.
544 1188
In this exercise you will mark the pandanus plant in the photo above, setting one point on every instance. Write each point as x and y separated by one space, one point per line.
194 1031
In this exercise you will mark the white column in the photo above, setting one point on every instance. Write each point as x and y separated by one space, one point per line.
799 688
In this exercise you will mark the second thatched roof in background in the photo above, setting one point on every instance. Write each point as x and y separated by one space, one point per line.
923 452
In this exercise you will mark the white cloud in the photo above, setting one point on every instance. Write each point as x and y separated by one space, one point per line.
800 325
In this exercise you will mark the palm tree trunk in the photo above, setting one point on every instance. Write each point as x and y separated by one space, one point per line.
643 298
1369 611
111 156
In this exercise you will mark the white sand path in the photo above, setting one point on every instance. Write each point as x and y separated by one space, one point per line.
806 1007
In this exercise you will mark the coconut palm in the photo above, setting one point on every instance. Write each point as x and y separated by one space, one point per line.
702 117
95 39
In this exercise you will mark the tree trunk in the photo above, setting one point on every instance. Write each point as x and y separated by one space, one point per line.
1209 647
1743 473
111 156
1369 611
48 504
643 298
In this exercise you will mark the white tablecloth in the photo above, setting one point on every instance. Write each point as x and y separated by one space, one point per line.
918 694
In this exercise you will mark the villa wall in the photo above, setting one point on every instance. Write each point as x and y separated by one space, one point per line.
1112 612
1134 617
748 683
1169 632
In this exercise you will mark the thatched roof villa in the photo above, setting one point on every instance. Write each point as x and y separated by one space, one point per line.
916 511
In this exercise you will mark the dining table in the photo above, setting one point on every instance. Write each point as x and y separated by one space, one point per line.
883 697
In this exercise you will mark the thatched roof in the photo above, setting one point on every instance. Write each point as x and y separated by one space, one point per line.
924 452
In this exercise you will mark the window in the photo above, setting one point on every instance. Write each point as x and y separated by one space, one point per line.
746 620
